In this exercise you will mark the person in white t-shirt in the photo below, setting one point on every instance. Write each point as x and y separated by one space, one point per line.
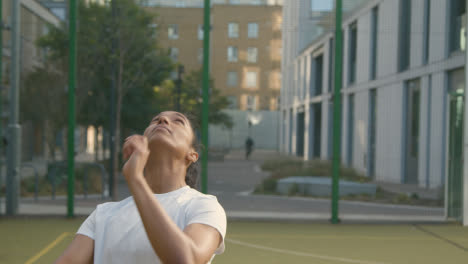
165 220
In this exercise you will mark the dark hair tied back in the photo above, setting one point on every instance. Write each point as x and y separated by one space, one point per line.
193 170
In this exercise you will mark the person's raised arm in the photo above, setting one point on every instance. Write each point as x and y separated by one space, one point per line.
196 244
80 251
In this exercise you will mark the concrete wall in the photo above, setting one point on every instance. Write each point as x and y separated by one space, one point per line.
388 38
265 134
389 133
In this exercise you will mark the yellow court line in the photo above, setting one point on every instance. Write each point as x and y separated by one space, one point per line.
46 249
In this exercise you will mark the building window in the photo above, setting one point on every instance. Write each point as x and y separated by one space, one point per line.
252 31
200 55
200 32
251 79
252 54
352 57
426 30
350 130
412 104
302 74
233 30
174 53
251 102
153 29
232 79
404 35
173 31
232 102
374 42
457 26
318 72
232 54
44 51
331 62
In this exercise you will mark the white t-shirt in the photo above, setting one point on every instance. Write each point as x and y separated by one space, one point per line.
120 237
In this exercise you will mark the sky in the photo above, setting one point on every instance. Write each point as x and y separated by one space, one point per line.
321 5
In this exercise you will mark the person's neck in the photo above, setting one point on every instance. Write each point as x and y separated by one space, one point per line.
164 173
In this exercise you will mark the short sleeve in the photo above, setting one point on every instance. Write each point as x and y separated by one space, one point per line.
208 211
88 226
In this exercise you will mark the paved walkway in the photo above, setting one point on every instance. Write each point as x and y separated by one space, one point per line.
232 181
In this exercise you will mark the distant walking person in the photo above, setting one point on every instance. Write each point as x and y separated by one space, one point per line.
249 143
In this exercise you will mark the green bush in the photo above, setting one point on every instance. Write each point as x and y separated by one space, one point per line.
414 196
269 185
44 187
281 168
293 189
402 198
379 193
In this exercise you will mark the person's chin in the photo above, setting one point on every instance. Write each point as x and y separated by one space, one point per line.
159 140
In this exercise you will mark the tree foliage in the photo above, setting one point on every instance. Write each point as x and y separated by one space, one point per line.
104 41
44 101
191 99
118 47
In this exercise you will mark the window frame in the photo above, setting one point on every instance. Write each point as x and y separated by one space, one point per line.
234 51
250 30
352 52
171 53
249 82
229 78
233 30
175 34
249 58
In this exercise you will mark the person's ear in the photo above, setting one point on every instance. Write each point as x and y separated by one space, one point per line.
192 156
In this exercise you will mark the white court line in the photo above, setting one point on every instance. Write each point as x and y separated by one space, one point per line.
346 202
302 254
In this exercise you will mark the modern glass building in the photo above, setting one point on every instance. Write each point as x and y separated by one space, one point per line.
402 91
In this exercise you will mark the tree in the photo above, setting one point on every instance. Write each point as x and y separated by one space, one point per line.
44 101
92 60
191 99
124 40
134 56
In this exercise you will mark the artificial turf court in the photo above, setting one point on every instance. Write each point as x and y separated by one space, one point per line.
42 241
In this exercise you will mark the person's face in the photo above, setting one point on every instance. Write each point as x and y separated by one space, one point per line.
172 131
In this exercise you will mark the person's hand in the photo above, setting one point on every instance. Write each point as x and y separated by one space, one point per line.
136 150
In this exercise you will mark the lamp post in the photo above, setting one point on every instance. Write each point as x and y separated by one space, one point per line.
205 93
14 128
180 71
